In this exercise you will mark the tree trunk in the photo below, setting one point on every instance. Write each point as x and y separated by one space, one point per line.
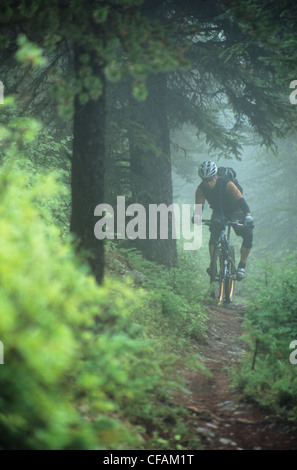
151 178
87 179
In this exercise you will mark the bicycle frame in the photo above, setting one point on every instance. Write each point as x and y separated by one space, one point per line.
227 277
224 246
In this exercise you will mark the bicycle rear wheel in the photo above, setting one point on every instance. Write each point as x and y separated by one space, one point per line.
230 281
216 276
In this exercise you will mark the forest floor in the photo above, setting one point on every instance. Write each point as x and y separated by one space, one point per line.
223 419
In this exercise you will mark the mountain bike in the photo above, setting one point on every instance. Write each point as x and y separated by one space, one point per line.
223 269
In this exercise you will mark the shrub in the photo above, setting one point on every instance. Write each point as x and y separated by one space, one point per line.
267 375
73 357
178 293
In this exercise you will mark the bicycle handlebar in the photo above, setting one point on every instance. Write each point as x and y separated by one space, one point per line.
234 223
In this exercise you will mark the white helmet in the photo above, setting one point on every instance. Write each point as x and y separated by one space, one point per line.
207 170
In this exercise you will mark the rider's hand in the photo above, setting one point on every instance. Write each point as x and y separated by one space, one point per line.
248 220
196 219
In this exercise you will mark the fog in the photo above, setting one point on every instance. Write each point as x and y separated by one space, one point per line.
267 177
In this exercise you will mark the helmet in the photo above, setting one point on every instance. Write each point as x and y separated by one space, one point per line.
207 170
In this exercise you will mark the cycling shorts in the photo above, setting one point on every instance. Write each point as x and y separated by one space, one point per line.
245 232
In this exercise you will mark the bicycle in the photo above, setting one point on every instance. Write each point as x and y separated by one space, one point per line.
223 269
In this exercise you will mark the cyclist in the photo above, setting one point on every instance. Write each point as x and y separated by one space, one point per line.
227 202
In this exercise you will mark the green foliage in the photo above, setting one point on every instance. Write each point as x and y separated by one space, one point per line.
267 375
48 157
15 131
33 150
29 52
176 298
122 40
82 370
274 24
74 361
173 318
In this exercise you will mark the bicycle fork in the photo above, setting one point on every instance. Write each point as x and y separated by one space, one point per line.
227 278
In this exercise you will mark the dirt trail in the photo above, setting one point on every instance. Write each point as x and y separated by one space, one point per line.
221 418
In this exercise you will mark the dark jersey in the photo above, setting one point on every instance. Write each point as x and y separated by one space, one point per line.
225 196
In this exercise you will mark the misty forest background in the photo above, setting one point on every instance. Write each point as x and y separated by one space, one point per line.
128 97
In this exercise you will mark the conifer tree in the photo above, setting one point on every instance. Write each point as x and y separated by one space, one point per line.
106 40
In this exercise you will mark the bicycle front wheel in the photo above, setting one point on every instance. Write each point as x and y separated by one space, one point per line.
230 278
217 276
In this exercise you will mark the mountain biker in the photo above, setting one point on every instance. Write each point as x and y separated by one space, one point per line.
227 202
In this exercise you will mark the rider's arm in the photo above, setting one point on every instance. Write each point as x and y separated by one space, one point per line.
236 195
243 206
199 199
199 196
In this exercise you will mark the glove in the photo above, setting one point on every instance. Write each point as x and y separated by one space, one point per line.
196 219
248 220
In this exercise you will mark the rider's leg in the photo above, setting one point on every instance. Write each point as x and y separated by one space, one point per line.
244 253
245 250
214 235
247 235
211 251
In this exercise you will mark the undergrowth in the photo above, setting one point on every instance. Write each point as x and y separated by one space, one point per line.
86 367
268 375
172 317
175 306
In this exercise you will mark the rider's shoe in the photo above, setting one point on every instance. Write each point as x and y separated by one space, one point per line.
240 274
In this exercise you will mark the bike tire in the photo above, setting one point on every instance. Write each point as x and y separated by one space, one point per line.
216 276
229 282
